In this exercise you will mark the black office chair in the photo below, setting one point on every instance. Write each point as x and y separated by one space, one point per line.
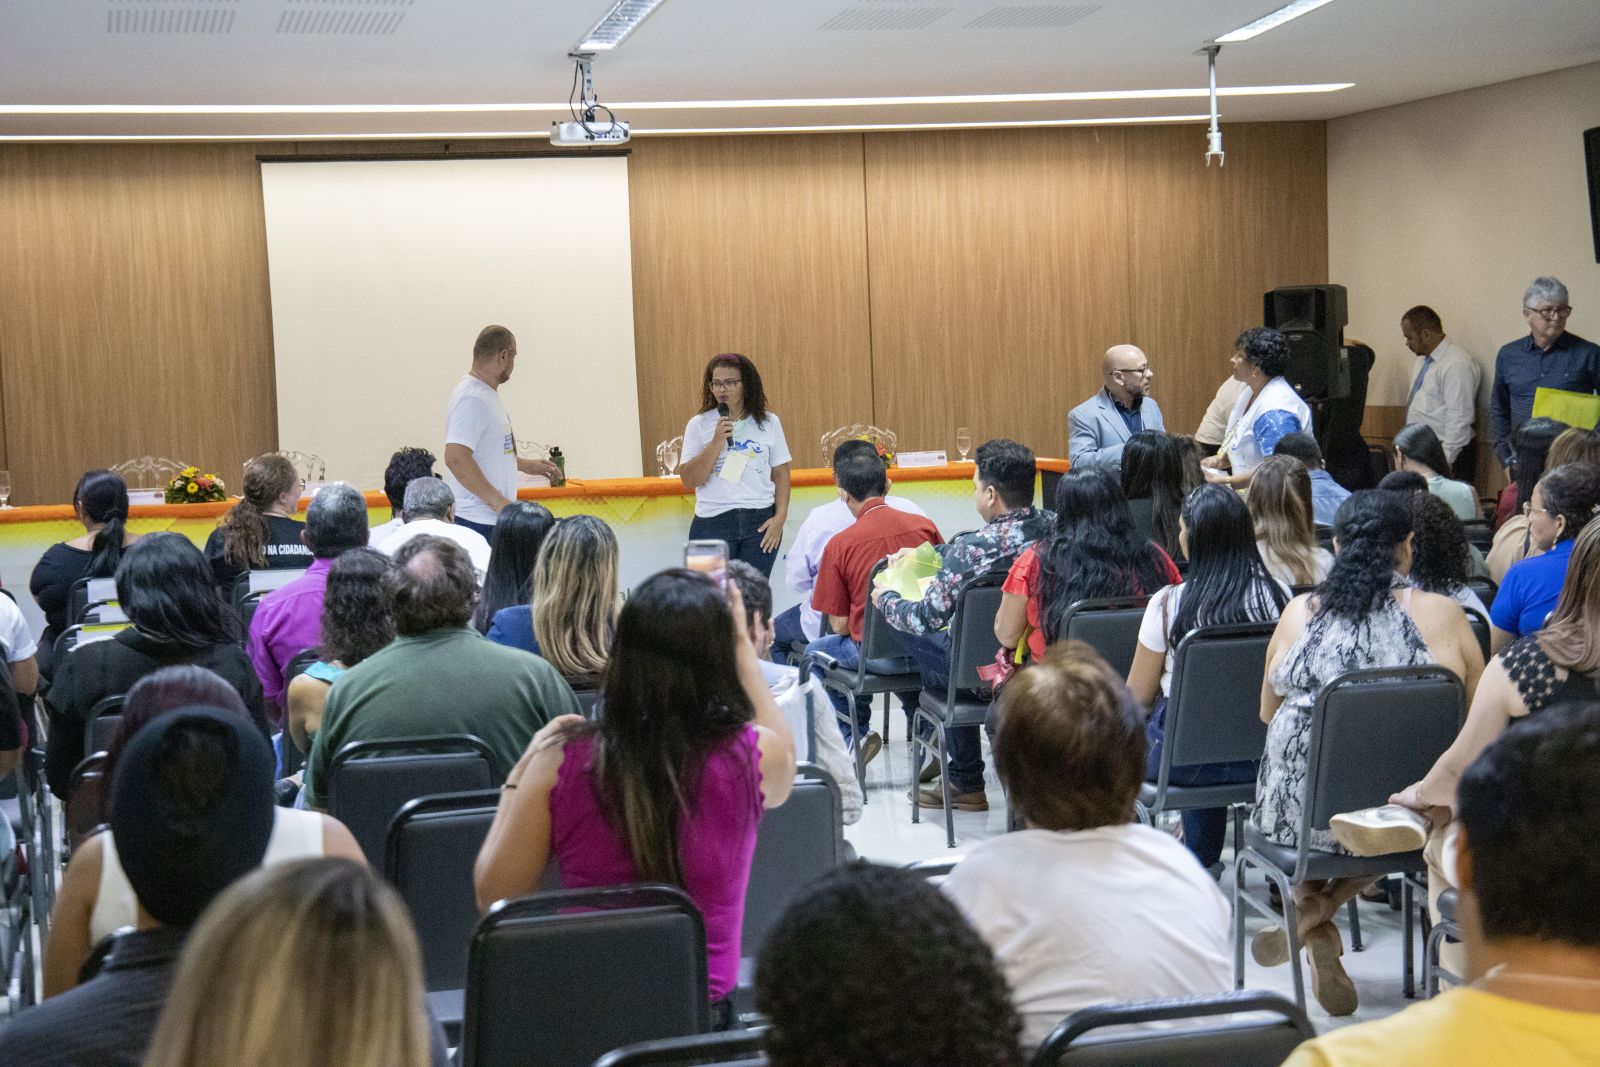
735 1048
1480 534
84 810
1485 588
588 698
101 725
877 642
1447 927
1373 732
1481 630
798 842
89 594
965 702
1264 1038
370 781
251 587
1109 625
632 957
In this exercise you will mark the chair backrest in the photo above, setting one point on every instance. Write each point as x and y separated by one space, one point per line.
1214 712
1374 732
1215 1033
259 583
370 781
1324 536
433 843
735 1048
972 640
877 636
1480 533
101 725
1109 625
587 699
93 592
798 841
1485 588
85 809
1480 630
148 472
539 967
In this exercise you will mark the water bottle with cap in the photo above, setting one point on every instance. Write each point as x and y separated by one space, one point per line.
561 465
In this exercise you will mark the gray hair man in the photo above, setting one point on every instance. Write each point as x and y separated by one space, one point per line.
430 509
1550 357
1098 428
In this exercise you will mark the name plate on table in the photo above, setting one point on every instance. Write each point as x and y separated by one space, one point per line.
922 459
147 496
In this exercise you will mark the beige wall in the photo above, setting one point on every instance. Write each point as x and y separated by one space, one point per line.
1458 202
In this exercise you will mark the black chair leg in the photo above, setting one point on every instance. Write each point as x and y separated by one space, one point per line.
1355 926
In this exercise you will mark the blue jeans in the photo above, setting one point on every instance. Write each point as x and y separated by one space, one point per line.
931 653
739 528
1204 829
486 529
844 650
786 632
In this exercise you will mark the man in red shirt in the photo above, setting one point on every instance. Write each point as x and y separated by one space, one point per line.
847 561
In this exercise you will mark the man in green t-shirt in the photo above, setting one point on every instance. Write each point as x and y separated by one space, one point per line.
439 676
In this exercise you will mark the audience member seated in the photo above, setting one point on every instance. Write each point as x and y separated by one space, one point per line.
404 466
1417 448
519 531
1092 552
1404 483
430 510
100 503
289 620
1441 559
668 784
840 592
1532 446
1511 541
1365 615
1525 872
258 532
1280 507
1264 413
191 810
1326 494
1227 583
1003 495
1098 428
252 986
805 708
1563 502
20 654
96 899
573 616
1084 906
165 588
1156 476
802 622
357 620
439 675
874 967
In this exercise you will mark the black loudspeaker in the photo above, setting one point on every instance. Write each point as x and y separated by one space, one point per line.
1312 318
1591 153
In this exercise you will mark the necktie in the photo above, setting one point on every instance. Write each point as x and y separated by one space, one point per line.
1427 361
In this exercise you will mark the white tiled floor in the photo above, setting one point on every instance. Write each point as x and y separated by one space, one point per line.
885 834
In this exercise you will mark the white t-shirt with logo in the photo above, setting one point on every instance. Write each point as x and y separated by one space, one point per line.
754 451
476 418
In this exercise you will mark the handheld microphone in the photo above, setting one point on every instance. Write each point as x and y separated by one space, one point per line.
722 409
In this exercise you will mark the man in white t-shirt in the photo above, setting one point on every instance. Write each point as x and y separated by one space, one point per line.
480 453
429 508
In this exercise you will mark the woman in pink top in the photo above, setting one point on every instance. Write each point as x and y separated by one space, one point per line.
668 785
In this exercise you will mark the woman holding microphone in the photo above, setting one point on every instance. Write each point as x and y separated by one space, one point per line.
738 464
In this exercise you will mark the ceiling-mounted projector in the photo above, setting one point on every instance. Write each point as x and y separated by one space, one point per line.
588 134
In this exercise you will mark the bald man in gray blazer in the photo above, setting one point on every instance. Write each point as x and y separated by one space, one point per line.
1099 427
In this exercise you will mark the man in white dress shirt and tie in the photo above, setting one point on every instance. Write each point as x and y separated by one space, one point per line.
1099 427
1444 392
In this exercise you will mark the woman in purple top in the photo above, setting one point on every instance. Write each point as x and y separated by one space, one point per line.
669 785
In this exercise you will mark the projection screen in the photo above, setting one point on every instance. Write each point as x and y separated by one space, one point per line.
384 271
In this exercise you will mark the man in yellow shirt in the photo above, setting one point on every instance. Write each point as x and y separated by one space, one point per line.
1526 871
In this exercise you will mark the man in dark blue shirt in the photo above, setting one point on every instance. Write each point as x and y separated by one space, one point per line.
1548 357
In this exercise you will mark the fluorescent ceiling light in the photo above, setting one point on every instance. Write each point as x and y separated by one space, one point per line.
615 25
1292 10
489 135
663 105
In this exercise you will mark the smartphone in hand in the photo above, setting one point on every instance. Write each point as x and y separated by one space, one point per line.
709 558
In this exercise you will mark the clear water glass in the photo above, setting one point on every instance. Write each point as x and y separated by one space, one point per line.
963 442
5 489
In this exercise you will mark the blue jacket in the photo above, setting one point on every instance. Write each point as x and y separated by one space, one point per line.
1096 431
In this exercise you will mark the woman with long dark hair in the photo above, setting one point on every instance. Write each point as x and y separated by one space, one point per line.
737 461
1364 615
357 620
1530 449
1091 552
259 532
668 785
519 530
100 502
164 586
1226 583
1156 476
1417 448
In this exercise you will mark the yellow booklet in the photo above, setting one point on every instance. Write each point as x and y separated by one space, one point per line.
1575 409
911 574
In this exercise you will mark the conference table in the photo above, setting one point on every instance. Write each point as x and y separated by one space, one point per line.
649 515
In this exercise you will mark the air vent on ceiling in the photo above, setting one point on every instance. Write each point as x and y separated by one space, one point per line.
152 16
1053 17
911 18
343 17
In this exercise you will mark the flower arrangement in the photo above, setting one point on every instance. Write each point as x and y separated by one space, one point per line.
885 448
189 486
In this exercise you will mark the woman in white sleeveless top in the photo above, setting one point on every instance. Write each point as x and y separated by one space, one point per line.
1265 412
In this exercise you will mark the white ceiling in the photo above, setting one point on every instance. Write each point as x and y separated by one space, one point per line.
467 52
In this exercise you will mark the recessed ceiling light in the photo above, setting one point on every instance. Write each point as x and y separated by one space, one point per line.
615 25
1292 10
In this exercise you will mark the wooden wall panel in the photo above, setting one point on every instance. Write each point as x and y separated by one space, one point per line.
998 262
1204 244
136 318
753 245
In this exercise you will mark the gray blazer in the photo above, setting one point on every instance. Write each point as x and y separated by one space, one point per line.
1096 433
